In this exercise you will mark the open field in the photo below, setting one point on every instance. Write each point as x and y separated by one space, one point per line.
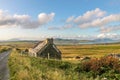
23 67
89 50
70 51
4 48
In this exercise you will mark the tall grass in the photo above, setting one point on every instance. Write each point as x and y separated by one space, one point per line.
89 50
23 67
4 48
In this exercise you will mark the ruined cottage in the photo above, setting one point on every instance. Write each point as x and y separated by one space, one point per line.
45 49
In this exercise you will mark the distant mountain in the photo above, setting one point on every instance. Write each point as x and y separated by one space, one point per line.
14 39
104 40
61 41
75 41
69 41
64 41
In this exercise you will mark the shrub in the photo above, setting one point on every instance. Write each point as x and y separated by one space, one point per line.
65 66
100 66
4 49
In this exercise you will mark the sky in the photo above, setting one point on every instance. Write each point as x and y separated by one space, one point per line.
71 19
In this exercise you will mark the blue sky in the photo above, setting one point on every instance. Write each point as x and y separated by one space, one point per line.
79 19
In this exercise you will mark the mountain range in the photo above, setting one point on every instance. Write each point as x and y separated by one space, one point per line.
61 41
75 41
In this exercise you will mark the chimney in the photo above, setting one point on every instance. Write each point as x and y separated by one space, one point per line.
49 40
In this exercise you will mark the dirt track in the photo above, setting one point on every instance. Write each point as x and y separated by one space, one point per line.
4 71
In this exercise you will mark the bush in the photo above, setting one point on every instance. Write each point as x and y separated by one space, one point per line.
100 66
65 66
4 49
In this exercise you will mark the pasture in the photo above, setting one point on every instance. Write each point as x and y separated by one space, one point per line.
23 67
89 50
71 51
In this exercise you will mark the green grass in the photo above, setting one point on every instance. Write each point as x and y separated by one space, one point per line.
4 48
89 50
93 50
23 67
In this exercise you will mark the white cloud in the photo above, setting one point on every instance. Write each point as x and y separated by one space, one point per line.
70 19
93 18
66 26
107 29
101 22
24 21
54 28
89 16
108 35
96 18
45 18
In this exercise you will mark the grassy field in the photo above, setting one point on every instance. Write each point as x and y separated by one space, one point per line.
23 67
4 48
89 50
94 50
